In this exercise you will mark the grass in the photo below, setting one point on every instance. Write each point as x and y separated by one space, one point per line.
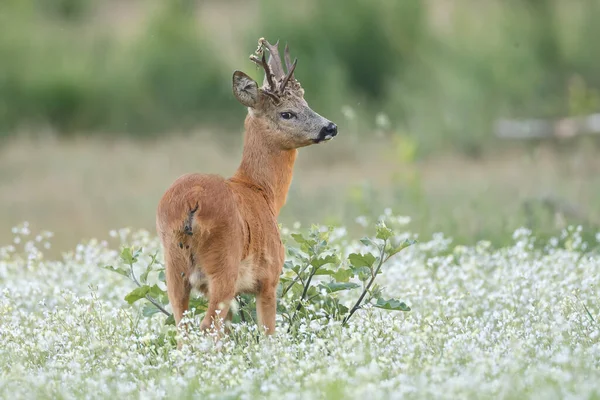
513 322
83 188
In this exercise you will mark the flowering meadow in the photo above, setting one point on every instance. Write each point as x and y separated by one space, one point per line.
505 323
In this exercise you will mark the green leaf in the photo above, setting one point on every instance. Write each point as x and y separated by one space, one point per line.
343 274
332 287
364 273
383 232
288 264
340 274
298 238
170 320
199 303
137 253
401 246
361 260
161 276
287 276
342 309
137 293
117 270
127 256
144 276
367 241
392 304
295 252
149 310
325 271
158 294
375 291
319 262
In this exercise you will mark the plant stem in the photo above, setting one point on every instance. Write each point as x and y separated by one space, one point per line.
157 305
306 286
298 277
148 297
366 289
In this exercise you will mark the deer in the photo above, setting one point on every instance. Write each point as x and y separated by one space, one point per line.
221 236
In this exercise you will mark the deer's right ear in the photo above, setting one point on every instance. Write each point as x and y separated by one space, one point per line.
245 89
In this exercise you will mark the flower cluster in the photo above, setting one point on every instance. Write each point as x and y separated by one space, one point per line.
515 322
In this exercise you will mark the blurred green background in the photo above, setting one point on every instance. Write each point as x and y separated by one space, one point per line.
104 102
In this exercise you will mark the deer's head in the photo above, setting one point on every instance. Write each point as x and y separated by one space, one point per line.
280 103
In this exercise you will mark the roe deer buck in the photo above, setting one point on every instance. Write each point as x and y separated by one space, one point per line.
219 235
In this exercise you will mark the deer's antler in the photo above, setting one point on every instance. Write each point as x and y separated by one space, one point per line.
290 74
273 69
288 61
274 59
268 73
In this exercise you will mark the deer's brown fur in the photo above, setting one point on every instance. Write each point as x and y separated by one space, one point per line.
221 235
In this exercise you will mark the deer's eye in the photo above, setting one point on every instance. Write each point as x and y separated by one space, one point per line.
287 115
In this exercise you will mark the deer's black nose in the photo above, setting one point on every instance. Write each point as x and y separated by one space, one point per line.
329 130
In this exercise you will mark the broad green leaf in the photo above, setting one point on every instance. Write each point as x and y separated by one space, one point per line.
392 304
137 293
149 310
343 274
364 274
298 238
155 290
401 246
161 276
296 290
287 275
312 291
383 232
295 252
288 264
127 256
158 294
361 260
342 309
144 276
367 241
199 303
375 291
332 287
117 270
170 320
137 253
324 271
319 262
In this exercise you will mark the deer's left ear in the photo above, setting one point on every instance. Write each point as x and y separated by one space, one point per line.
245 89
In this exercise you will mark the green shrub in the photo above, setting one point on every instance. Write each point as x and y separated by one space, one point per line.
314 276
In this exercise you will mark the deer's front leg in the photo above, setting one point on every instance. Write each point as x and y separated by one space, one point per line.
266 307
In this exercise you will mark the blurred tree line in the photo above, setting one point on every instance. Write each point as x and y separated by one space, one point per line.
440 71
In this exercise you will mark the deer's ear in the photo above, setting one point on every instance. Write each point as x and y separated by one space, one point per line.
245 89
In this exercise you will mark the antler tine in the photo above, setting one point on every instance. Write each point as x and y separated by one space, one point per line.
268 74
289 75
288 60
274 59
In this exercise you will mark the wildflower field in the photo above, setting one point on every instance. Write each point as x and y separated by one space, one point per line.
473 322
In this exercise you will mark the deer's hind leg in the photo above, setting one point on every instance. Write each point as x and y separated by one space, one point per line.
221 293
178 283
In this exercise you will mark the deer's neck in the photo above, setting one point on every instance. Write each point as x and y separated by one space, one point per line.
264 164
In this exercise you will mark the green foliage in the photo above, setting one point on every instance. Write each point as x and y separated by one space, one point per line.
441 82
52 75
312 286
392 304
